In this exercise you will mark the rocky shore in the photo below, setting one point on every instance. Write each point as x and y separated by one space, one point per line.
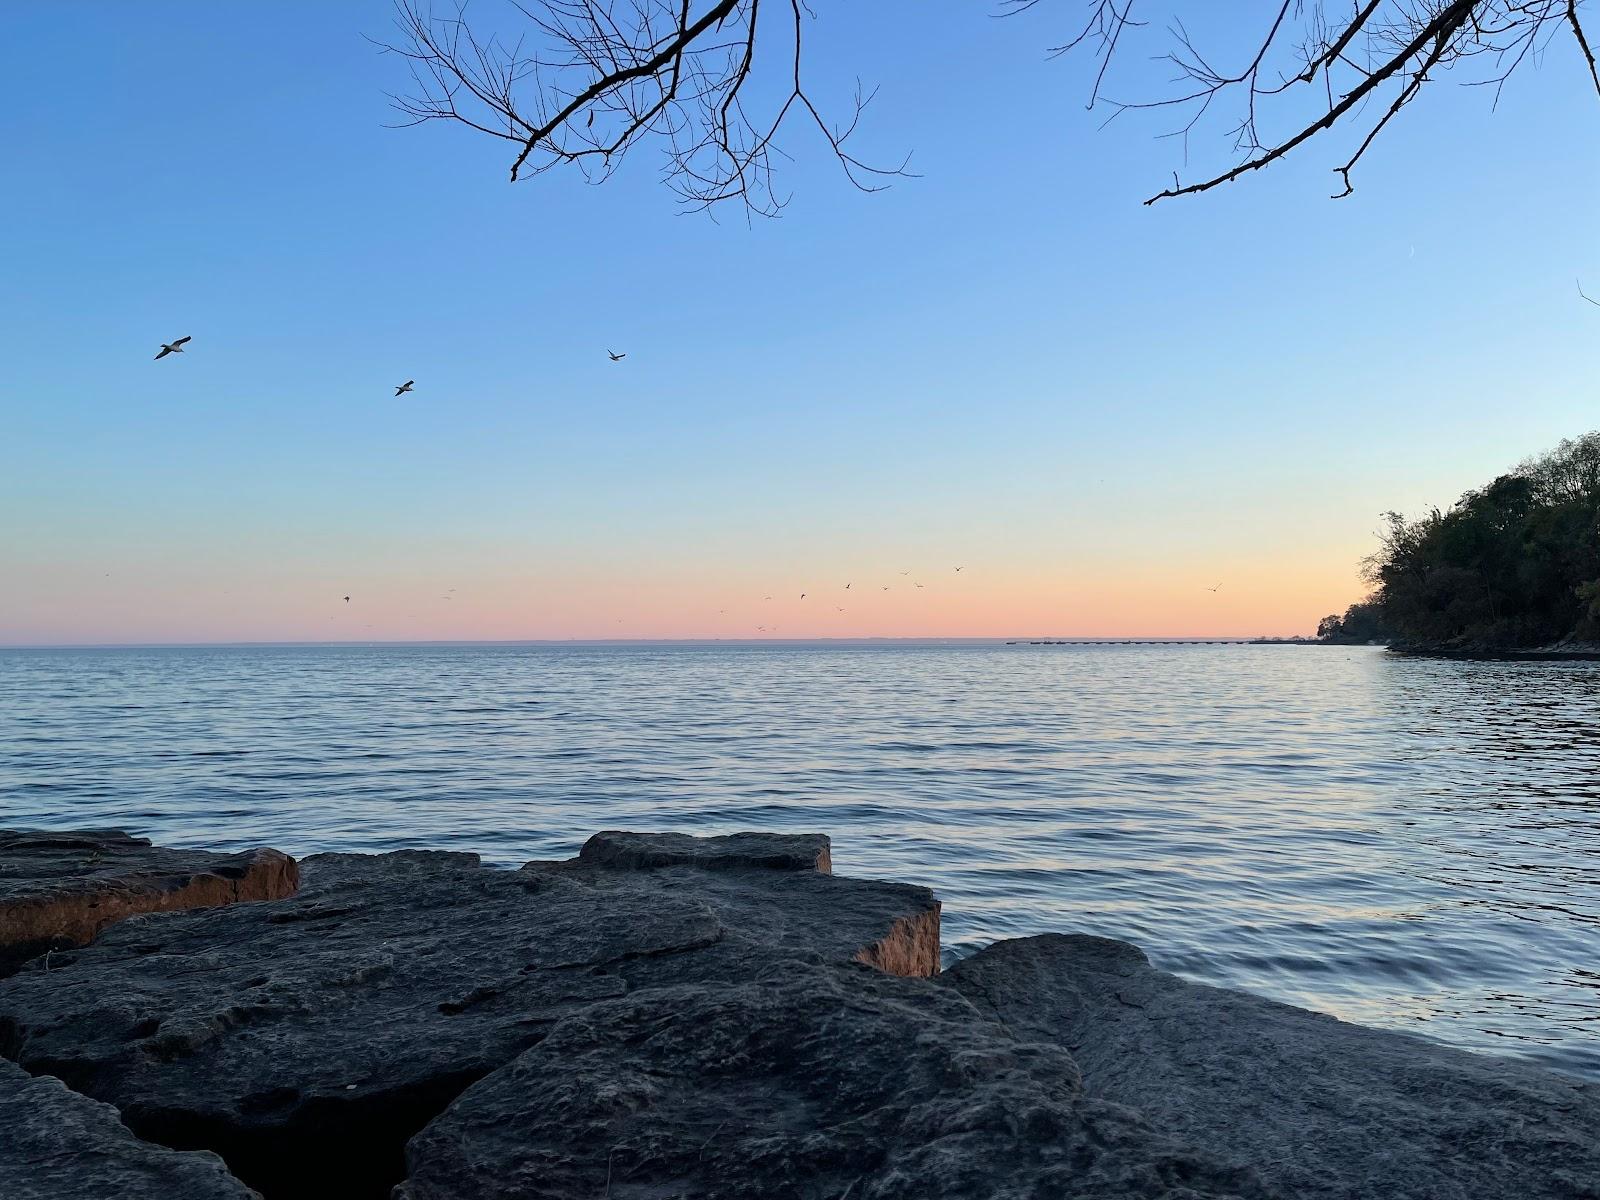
667 1016
1569 649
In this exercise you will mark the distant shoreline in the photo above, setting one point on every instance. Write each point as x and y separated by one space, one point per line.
1580 652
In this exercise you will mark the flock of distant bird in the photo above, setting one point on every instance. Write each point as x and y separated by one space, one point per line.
836 608
409 385
176 347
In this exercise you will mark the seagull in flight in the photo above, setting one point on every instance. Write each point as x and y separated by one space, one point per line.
1214 589
802 595
958 570
847 587
404 387
615 357
172 348
347 599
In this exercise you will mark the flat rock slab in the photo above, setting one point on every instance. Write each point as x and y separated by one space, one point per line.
61 889
732 852
331 1026
1323 1109
58 1145
823 1083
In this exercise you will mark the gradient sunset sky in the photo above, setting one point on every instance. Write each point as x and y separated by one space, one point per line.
1099 410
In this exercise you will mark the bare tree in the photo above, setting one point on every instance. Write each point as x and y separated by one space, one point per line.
715 83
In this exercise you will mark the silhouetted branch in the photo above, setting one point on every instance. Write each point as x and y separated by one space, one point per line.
607 75
714 84
1377 48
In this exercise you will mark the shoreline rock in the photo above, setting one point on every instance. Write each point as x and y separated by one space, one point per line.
333 1025
58 890
731 852
834 1082
1319 1108
1563 651
715 1017
57 1143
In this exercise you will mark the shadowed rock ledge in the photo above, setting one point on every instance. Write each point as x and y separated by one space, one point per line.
666 1016
55 1143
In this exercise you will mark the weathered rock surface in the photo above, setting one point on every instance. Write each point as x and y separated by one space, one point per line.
779 877
676 1017
58 1145
329 1027
60 889
734 851
829 1082
1323 1109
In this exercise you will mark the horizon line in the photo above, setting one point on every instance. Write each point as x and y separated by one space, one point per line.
642 641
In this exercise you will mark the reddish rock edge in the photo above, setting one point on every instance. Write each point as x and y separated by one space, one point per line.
70 912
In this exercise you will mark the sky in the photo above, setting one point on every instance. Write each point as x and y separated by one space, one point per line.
1098 410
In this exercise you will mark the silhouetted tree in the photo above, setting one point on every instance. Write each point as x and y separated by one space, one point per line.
1361 623
1515 563
716 83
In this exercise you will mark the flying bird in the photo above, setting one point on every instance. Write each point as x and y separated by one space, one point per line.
615 357
404 387
172 348
347 599
958 570
802 595
1214 589
847 587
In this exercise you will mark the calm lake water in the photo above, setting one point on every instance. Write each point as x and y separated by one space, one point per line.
1408 843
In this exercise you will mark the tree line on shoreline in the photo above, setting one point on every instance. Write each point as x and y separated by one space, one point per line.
1511 565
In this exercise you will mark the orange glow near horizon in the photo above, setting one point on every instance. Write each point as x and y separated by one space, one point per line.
981 601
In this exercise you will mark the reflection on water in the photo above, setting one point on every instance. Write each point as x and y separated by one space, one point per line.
1404 842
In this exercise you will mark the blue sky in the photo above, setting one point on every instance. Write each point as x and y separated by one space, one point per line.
1008 362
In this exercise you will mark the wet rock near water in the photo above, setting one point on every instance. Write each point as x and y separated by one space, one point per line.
60 889
336 1023
1324 1110
55 1143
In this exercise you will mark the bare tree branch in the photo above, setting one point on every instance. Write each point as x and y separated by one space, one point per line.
606 76
716 85
1373 49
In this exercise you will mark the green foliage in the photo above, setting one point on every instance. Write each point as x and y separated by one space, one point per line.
1512 564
